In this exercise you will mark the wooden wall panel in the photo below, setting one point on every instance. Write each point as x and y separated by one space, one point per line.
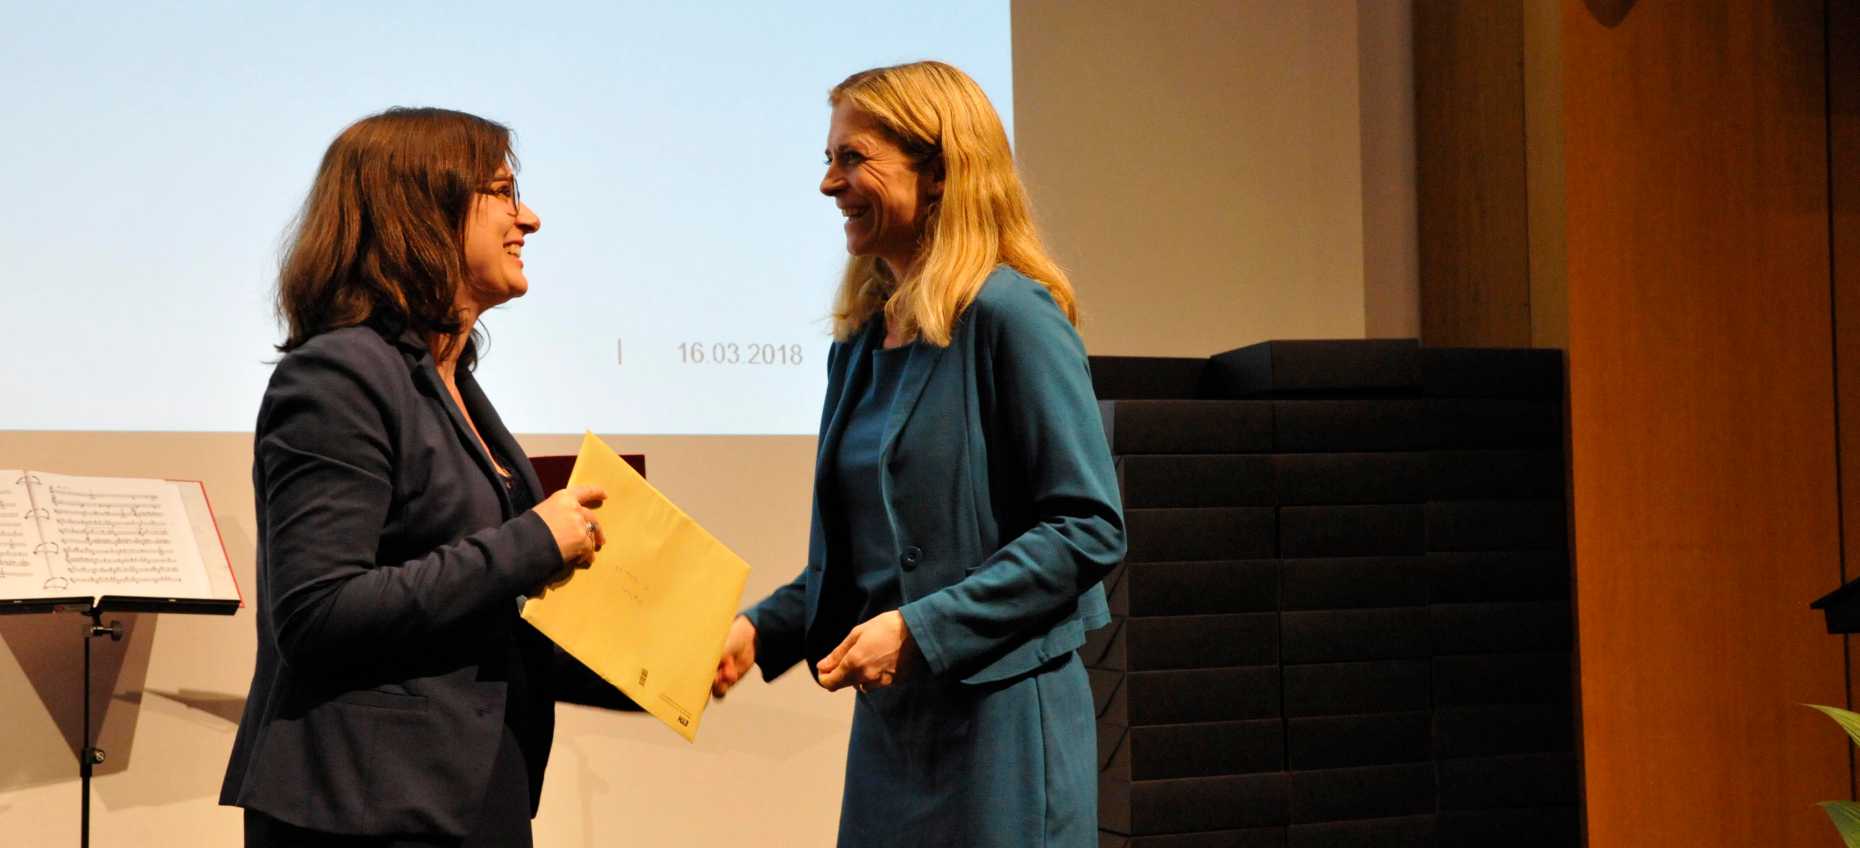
1844 229
1470 173
1543 152
1702 421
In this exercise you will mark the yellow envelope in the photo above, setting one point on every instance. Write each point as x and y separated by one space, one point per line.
650 614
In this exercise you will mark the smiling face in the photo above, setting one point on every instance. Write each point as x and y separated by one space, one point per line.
494 233
878 189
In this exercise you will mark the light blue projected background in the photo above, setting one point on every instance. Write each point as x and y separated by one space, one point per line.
155 155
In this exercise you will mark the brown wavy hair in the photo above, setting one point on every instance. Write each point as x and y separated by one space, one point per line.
380 239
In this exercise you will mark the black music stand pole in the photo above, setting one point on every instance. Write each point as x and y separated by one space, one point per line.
90 756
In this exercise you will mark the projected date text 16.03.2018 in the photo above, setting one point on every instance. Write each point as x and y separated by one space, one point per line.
743 353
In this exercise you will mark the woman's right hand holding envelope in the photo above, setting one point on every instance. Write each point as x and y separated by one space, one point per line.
739 653
570 516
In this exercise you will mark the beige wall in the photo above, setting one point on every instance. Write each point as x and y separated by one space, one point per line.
1215 173
1208 169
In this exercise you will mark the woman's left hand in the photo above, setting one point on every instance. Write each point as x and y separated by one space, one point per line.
875 654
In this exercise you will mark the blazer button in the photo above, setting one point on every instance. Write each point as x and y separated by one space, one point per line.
911 556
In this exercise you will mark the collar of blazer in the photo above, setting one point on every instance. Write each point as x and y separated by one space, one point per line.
425 374
856 364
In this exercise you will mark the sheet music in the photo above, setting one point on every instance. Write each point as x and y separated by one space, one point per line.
117 536
19 534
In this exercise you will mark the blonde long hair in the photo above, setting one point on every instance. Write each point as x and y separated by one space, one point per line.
944 122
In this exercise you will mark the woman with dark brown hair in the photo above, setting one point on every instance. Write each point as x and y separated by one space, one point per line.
398 699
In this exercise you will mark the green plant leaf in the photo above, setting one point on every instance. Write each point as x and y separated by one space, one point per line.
1850 721
1846 818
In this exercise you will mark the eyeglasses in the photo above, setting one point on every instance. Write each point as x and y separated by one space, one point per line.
505 188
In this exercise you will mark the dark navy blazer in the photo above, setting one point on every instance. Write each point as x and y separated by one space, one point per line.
389 566
1000 491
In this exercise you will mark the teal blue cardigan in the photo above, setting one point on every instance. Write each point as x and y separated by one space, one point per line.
1000 490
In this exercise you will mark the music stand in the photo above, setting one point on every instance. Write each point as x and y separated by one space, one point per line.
89 755
222 586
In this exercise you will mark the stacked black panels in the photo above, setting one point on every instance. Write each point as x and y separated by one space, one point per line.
1344 617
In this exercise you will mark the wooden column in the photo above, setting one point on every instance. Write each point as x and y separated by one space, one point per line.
1702 419
1470 175
1844 231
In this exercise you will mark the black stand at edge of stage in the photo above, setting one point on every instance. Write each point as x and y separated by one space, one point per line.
89 755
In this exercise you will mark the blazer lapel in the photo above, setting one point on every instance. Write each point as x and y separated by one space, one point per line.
850 365
917 369
426 375
491 426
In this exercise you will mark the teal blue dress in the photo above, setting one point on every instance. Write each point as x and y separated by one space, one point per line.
970 488
920 748
869 585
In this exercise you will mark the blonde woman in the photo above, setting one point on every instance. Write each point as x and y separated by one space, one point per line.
965 505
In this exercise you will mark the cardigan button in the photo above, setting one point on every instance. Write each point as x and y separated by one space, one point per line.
911 556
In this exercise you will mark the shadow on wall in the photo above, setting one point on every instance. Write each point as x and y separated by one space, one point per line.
215 709
179 765
49 648
1609 13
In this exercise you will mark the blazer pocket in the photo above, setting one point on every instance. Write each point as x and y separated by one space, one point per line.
383 700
